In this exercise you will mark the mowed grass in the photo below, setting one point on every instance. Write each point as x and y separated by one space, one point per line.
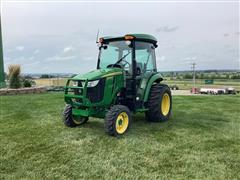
201 141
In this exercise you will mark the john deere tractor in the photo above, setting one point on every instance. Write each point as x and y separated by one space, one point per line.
126 81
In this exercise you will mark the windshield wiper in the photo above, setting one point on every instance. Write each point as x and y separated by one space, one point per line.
122 58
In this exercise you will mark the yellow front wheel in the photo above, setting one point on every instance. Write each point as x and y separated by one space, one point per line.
117 120
122 122
70 120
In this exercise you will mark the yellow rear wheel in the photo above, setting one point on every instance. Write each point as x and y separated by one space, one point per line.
159 103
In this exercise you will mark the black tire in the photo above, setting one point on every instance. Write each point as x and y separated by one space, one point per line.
71 121
154 104
111 119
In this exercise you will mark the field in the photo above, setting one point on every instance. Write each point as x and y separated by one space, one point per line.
187 84
51 81
184 84
201 141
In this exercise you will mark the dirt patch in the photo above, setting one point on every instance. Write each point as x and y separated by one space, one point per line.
182 92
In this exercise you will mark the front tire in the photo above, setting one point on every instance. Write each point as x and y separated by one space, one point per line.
159 103
117 120
70 120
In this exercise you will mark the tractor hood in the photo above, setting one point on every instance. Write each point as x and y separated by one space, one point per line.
98 74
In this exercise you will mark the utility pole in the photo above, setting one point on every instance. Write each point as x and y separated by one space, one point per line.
2 75
193 67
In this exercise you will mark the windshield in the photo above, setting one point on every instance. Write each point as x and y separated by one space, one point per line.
115 52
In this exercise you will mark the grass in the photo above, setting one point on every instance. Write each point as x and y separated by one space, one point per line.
201 141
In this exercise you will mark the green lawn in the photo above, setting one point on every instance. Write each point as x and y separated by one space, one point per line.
201 141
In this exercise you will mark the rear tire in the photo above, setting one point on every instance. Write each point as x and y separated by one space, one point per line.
71 121
117 120
159 103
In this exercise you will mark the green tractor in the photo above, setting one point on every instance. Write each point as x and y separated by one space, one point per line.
126 81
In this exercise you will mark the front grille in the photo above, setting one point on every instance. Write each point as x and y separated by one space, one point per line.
96 93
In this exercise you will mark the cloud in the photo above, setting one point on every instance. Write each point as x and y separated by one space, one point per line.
20 48
167 29
162 58
32 64
68 49
226 34
191 58
36 51
20 59
31 58
60 58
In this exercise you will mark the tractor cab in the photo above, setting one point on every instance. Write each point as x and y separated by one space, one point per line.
126 81
135 55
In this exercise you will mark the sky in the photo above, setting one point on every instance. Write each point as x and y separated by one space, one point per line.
60 37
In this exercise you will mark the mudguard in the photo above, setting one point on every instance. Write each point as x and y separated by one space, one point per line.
156 78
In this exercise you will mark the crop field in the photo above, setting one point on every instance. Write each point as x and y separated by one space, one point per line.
187 84
201 141
184 84
51 81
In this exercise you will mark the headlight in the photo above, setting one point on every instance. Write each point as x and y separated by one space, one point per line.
75 83
92 83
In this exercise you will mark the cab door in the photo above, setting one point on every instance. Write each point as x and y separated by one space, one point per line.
145 67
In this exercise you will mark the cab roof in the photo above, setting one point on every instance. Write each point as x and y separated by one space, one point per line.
139 37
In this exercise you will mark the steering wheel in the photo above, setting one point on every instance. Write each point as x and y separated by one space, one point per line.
118 65
114 65
126 63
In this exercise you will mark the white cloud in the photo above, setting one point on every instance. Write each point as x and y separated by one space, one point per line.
68 49
36 51
162 58
60 58
20 48
191 58
31 58
19 59
32 64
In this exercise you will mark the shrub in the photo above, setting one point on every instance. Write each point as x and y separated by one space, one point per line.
14 76
27 83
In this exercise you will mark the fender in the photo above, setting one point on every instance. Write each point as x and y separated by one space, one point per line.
155 78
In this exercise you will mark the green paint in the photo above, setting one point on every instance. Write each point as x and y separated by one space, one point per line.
96 109
97 74
2 76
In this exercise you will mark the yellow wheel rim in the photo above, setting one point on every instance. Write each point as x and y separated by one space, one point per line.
122 123
77 121
165 107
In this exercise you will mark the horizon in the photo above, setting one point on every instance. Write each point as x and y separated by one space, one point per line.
197 70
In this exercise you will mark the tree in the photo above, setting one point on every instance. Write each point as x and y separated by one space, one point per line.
188 76
45 76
